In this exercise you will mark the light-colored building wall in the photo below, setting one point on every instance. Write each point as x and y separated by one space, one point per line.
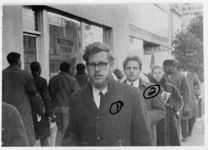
153 23
11 32
112 16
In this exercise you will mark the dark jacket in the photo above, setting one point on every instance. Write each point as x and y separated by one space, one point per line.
181 83
82 79
18 89
89 126
167 131
42 128
13 128
61 87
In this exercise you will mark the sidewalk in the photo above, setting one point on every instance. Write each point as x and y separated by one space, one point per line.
197 138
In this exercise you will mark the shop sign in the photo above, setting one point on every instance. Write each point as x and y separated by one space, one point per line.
64 45
192 9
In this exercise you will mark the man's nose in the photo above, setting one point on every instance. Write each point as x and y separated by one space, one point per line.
97 68
131 70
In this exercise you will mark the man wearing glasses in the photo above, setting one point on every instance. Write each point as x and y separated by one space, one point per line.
105 112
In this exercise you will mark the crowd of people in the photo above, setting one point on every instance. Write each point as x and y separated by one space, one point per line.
103 107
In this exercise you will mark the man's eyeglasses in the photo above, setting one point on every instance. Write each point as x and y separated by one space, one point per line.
100 65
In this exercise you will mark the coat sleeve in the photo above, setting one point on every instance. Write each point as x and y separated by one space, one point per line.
75 85
186 93
46 97
17 135
35 97
71 136
140 131
177 99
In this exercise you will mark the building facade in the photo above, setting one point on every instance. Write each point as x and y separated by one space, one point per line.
51 34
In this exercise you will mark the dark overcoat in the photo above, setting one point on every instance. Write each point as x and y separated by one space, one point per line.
17 89
89 126
82 79
42 128
181 83
192 79
13 128
61 87
167 129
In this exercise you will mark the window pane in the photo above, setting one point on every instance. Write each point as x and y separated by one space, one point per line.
29 19
65 40
29 51
92 34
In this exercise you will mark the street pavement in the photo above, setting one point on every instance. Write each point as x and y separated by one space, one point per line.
198 137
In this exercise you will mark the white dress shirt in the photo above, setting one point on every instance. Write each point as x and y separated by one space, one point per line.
135 83
96 95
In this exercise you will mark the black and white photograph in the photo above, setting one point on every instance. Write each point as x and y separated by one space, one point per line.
103 74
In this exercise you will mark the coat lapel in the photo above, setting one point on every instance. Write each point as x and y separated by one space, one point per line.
90 99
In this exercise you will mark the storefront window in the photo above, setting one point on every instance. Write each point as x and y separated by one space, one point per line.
29 19
30 36
30 53
92 33
65 40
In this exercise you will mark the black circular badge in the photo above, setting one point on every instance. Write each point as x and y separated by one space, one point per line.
116 107
151 91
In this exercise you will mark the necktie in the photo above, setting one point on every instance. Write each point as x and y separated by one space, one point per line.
132 84
101 97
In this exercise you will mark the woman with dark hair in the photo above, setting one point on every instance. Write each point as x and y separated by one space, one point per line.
167 130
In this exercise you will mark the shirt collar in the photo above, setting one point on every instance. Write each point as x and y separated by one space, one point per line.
135 83
96 91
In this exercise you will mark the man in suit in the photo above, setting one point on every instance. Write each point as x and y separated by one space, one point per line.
156 109
106 112
18 89
181 83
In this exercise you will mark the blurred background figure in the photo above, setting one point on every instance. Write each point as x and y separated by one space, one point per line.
41 123
13 128
18 89
167 129
81 76
118 74
199 97
192 79
178 79
61 87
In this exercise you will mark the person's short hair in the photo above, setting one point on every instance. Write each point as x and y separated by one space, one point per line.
35 66
96 47
170 62
65 67
80 67
134 58
13 58
155 67
118 74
